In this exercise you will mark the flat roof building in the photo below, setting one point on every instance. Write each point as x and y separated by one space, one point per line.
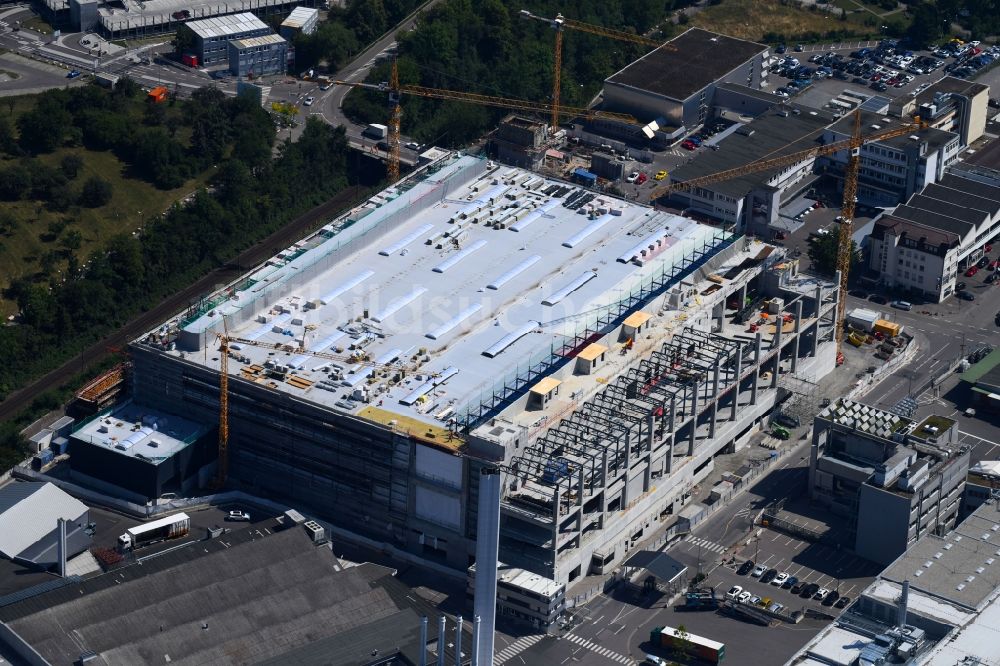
378 363
893 479
675 82
752 202
209 38
140 450
302 20
258 56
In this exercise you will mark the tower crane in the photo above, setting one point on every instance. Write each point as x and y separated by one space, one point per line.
394 90
853 145
559 23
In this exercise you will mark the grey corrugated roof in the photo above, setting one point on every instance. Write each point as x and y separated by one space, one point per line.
772 135
966 214
701 58
962 197
934 220
13 493
260 600
971 186
935 138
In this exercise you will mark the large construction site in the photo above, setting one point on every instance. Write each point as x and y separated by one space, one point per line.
474 315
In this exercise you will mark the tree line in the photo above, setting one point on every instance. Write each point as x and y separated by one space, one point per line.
484 46
251 195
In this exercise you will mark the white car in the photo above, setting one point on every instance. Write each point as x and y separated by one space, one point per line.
744 597
241 516
758 570
632 177
734 592
821 594
413 145
780 579
308 101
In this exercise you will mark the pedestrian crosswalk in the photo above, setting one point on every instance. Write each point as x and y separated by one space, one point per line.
604 652
516 648
706 544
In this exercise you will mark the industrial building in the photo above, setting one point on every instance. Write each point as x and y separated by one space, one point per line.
138 20
444 323
983 381
752 202
893 169
302 20
981 485
141 452
258 56
926 244
208 39
675 83
938 604
33 517
893 479
274 599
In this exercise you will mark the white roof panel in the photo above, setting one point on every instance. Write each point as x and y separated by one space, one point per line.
29 519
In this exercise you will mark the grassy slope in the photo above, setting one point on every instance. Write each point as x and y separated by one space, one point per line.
750 19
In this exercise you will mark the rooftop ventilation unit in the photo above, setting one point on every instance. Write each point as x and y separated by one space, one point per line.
316 531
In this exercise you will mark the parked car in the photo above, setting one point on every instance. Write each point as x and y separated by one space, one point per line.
768 575
820 594
983 262
842 602
796 587
689 145
972 271
660 175
412 145
799 48
902 305
775 607
734 592
960 286
758 571
788 420
755 600
877 299
744 597
746 568
632 177
780 49
73 74
653 660
790 583
642 178
240 516
780 579
831 598
809 590
966 296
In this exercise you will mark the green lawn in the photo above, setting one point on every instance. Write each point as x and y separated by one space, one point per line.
752 19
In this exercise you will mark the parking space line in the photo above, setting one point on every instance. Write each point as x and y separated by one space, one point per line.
790 540
777 536
796 572
764 563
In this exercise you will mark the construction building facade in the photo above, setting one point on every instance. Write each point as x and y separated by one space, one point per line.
603 394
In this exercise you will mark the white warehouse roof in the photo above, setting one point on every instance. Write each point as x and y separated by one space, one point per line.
299 17
221 26
28 513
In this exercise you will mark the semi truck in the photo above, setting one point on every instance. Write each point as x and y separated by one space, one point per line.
171 527
376 131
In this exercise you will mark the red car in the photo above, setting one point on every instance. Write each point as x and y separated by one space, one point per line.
972 271
642 178
994 264
988 248
689 145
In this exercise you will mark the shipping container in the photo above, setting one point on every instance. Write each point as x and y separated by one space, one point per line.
158 94
585 177
890 328
190 59
863 319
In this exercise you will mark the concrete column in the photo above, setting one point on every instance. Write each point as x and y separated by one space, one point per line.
475 640
647 477
715 417
441 630
798 331
673 435
604 483
556 519
756 371
777 345
694 418
579 490
458 641
423 640
487 553
739 372
61 546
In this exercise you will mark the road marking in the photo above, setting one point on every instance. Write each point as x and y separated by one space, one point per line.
604 652
706 544
517 647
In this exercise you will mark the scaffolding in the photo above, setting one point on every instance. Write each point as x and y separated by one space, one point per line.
502 393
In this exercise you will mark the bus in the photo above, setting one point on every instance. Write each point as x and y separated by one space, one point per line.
707 650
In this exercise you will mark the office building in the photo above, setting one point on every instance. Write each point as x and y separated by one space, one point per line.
675 83
208 39
83 15
950 104
258 56
893 479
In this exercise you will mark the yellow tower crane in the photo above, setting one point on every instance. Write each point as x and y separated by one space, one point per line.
395 90
853 145
558 24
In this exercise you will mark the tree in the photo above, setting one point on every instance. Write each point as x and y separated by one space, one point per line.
823 253
96 192
72 240
71 165
8 222
43 128
682 642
